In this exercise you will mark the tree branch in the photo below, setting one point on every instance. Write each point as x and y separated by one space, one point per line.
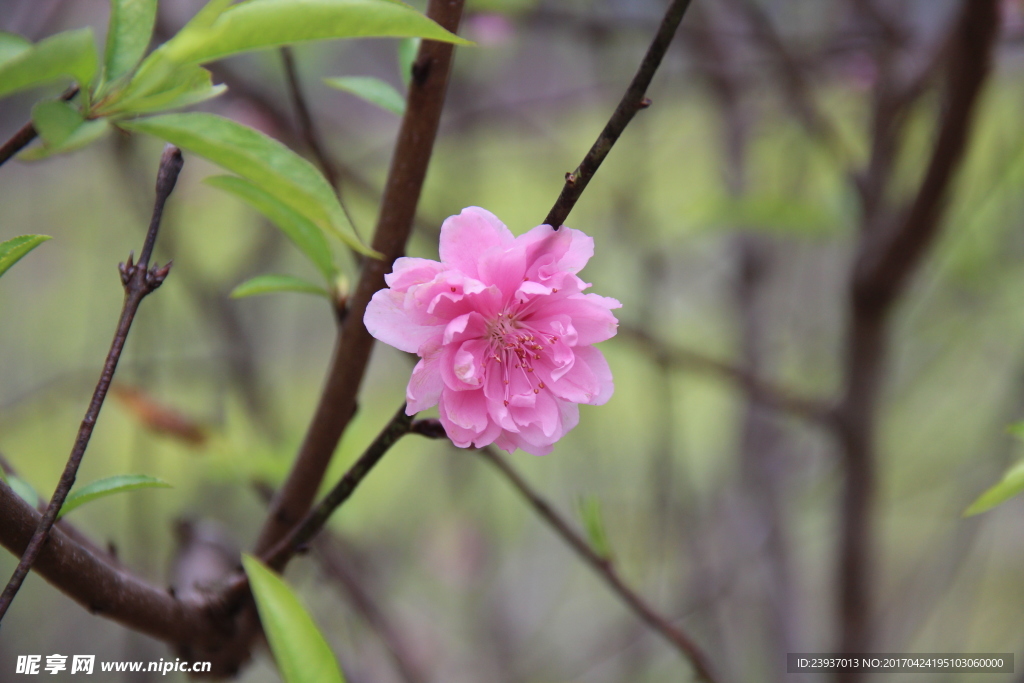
759 389
398 209
886 262
300 536
138 281
632 101
27 133
308 129
603 567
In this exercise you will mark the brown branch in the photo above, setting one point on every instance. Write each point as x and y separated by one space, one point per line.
27 133
333 560
603 567
308 129
632 101
398 209
335 556
300 536
139 281
796 89
97 583
884 266
759 389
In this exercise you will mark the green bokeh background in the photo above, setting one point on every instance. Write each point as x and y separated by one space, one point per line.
479 588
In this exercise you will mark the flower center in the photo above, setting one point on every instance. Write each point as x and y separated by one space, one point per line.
515 346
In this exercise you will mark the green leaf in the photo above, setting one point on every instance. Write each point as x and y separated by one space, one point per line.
128 35
301 652
593 523
372 90
13 249
1011 484
270 284
24 490
265 162
102 488
158 72
190 85
86 133
407 50
55 121
273 23
303 233
12 45
68 54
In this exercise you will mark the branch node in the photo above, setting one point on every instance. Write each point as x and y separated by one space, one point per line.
421 70
644 103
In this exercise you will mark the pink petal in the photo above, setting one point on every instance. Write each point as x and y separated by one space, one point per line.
590 315
387 320
598 365
469 362
464 416
425 385
412 271
503 268
469 326
550 251
466 236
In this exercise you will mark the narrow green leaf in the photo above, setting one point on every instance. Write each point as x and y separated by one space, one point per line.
12 45
593 523
102 488
207 14
300 650
158 72
300 230
24 490
189 85
270 284
273 23
1009 486
128 35
13 249
270 165
407 50
68 54
55 121
86 134
372 90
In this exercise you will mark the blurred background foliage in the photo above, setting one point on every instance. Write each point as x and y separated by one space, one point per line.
734 537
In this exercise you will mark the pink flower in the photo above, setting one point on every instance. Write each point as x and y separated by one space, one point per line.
503 330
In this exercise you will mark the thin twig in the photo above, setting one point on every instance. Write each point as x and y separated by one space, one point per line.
398 209
303 533
96 581
300 535
27 133
308 129
759 389
333 558
335 555
138 280
885 264
632 101
603 567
